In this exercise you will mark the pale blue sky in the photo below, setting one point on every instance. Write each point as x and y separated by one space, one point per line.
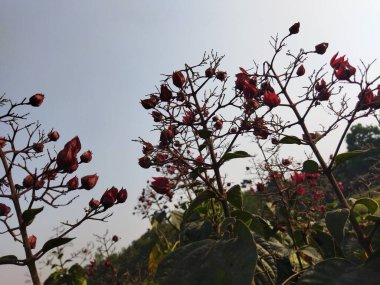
94 60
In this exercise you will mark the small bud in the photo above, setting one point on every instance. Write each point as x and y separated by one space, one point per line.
38 147
28 181
221 75
107 200
165 94
39 184
115 238
178 79
53 136
285 161
145 162
157 116
295 28
32 241
73 183
4 210
36 100
218 125
89 181
321 48
274 141
94 203
301 70
86 157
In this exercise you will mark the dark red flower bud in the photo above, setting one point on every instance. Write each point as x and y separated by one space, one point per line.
321 48
285 161
113 191
295 28
210 72
32 241
38 147
36 100
4 210
167 136
218 125
107 200
233 130
157 116
221 75
271 99
53 136
165 94
89 181
178 79
94 203
115 238
320 86
39 184
145 162
28 181
148 148
365 99
73 183
122 195
86 157
275 141
149 103
107 262
260 187
301 70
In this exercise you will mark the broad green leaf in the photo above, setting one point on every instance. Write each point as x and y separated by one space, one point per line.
310 166
342 157
8 259
206 262
50 244
226 223
352 250
243 233
237 154
323 242
205 134
371 204
76 273
290 140
29 215
201 197
257 224
235 196
335 222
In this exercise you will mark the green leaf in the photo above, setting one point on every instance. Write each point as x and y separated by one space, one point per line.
310 166
201 197
371 204
196 171
226 223
342 157
243 232
237 154
205 134
335 222
8 259
235 196
290 140
50 244
206 262
202 146
29 215
323 242
257 224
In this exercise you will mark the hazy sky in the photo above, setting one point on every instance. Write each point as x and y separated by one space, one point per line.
94 60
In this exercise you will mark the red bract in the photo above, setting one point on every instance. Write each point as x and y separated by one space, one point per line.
343 70
178 79
89 181
73 183
32 241
298 178
241 80
165 94
86 157
4 210
162 185
271 99
53 136
122 195
36 100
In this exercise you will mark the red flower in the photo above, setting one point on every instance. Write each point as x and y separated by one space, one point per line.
241 80
53 136
4 209
300 190
122 195
32 241
94 203
73 183
89 181
162 185
86 157
189 118
36 100
298 178
165 94
178 79
271 99
343 70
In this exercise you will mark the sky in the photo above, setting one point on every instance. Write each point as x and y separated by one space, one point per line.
94 60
